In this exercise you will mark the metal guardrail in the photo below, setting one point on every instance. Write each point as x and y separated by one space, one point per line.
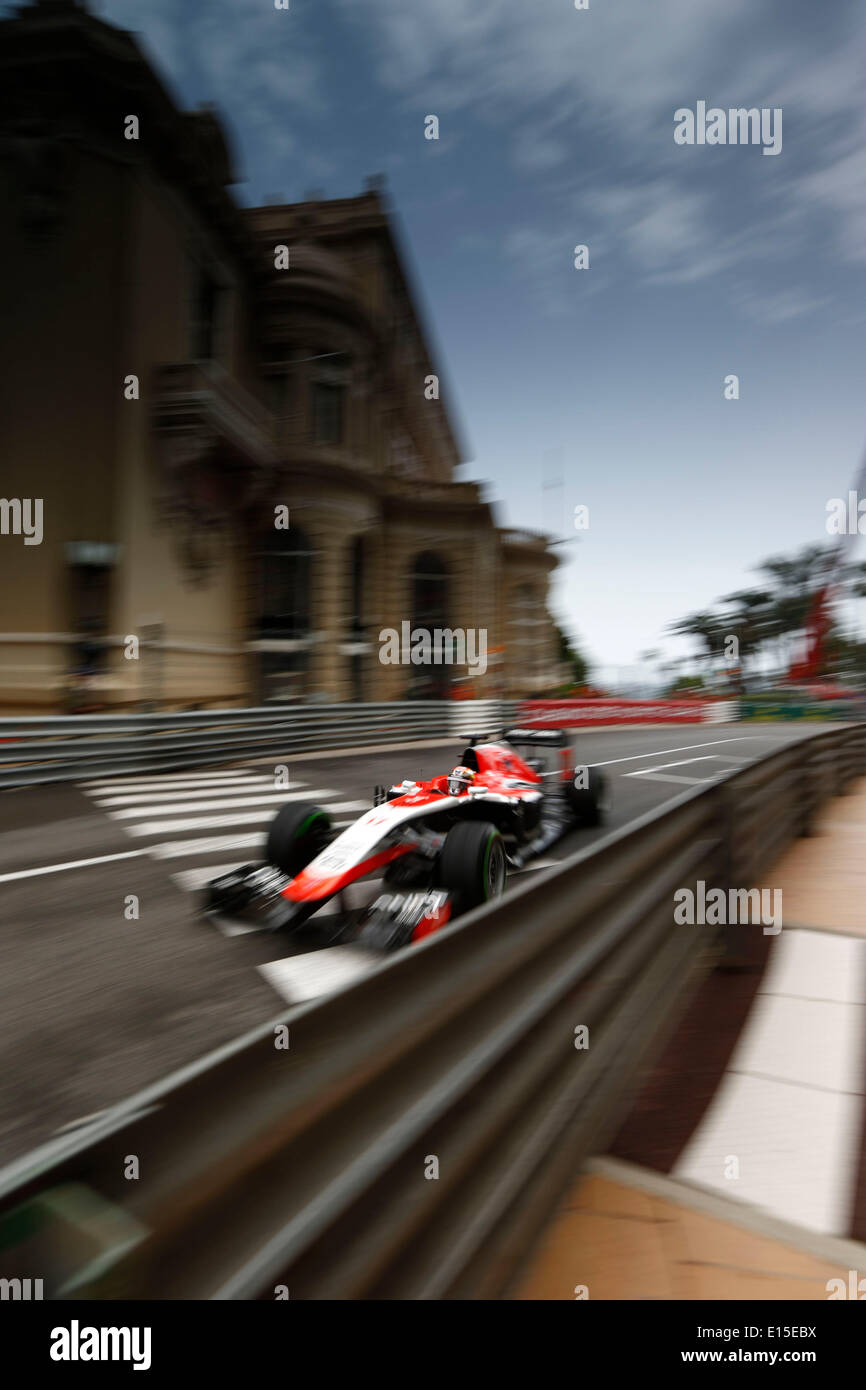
309 1168
40 749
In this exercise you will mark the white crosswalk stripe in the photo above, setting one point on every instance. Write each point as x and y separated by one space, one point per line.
167 808
253 785
166 827
242 802
263 817
216 844
205 779
223 803
209 844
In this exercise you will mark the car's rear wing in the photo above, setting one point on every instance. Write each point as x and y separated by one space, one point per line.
550 750
553 738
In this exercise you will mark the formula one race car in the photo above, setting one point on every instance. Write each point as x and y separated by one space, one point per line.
442 846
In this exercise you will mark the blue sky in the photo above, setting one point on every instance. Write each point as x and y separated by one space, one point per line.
556 128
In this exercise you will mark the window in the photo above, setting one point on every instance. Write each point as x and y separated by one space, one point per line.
205 302
431 602
277 392
328 401
356 586
284 562
88 590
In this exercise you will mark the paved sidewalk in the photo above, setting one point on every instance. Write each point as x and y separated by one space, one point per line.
779 1152
823 877
629 1233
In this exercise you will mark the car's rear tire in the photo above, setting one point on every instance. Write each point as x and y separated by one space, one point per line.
298 832
589 805
472 863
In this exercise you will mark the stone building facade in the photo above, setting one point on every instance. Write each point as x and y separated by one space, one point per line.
231 417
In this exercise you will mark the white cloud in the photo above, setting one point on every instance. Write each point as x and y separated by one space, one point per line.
780 307
566 88
555 80
625 59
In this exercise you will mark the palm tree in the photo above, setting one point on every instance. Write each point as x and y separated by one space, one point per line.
797 581
706 626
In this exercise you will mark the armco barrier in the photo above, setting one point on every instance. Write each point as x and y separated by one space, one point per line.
40 749
44 749
301 1168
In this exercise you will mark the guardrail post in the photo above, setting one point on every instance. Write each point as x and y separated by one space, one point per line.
737 950
850 759
811 782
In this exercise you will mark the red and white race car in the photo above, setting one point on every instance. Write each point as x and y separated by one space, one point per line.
442 846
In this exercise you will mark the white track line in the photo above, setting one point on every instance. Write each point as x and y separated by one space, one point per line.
72 864
660 767
672 777
710 743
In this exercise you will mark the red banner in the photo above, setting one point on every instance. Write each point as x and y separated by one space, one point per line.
569 714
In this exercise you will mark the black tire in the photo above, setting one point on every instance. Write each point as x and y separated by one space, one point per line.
298 832
472 863
589 805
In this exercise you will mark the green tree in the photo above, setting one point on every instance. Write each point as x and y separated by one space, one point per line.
569 656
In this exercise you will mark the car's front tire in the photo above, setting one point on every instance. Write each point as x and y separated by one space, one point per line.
472 863
298 832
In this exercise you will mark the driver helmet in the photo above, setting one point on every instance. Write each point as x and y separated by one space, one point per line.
460 780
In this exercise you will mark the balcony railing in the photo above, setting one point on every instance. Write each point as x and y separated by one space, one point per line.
517 536
201 397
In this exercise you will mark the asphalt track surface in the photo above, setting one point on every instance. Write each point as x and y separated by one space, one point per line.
98 1003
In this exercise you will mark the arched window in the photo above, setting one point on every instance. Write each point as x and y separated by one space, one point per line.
356 585
431 603
284 564
356 618
430 597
